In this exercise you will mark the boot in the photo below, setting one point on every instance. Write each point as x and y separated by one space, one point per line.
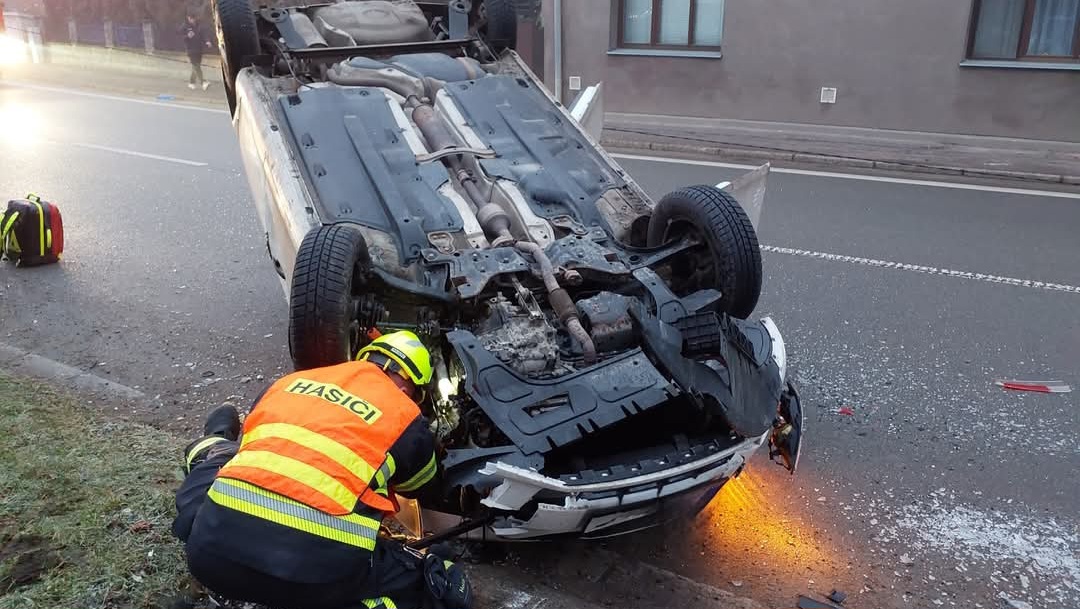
223 421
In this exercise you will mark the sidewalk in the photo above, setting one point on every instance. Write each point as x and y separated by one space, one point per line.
935 153
164 84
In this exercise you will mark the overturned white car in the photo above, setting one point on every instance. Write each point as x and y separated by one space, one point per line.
595 370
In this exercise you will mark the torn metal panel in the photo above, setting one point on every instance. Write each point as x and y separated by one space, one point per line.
749 190
588 110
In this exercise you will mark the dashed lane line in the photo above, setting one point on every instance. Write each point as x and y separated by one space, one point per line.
930 270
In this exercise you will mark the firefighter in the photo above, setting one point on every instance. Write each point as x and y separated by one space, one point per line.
287 513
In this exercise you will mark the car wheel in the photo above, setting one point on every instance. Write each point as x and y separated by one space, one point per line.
237 38
328 283
728 259
496 22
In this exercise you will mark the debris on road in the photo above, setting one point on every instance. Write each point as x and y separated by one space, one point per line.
846 411
1013 603
837 596
906 559
805 602
1036 386
736 583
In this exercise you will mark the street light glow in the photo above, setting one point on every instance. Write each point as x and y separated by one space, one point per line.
19 124
12 50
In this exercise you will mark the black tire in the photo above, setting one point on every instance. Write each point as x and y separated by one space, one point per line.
499 23
332 265
731 257
237 38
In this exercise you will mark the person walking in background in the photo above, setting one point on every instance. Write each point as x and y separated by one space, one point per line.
196 41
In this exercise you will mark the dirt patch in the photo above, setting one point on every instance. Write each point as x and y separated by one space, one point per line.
24 560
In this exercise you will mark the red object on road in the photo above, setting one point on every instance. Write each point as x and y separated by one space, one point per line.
846 411
1036 386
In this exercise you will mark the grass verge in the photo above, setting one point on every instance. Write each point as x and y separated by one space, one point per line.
85 506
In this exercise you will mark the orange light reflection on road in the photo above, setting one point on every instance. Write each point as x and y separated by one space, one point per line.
749 516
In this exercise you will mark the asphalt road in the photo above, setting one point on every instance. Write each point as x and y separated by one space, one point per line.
939 490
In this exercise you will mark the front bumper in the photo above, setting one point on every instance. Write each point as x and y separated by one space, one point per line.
538 506
599 509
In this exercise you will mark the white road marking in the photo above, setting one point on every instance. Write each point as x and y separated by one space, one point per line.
144 155
854 176
930 270
134 100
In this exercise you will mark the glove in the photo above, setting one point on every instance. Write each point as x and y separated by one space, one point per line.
447 584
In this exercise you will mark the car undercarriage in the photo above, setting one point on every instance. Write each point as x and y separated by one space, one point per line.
595 368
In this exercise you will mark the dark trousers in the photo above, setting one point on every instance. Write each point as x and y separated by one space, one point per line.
395 573
196 70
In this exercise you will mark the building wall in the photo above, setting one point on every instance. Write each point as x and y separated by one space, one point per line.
25 7
894 63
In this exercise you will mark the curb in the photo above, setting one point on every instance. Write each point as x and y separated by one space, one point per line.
603 577
181 100
736 153
493 589
24 363
122 59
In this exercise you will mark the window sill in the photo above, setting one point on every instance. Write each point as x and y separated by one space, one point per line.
1018 65
667 53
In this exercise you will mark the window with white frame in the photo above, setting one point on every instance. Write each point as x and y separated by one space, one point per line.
670 24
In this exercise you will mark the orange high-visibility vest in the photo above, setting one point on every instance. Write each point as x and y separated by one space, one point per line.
322 438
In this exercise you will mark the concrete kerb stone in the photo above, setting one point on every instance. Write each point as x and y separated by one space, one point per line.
679 590
824 159
736 154
917 168
23 363
1017 175
494 590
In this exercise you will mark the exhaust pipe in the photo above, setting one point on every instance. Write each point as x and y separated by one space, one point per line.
496 225
560 300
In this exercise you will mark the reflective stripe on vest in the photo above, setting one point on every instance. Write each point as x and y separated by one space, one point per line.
322 437
379 603
353 529
201 446
421 478
335 451
307 475
382 477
